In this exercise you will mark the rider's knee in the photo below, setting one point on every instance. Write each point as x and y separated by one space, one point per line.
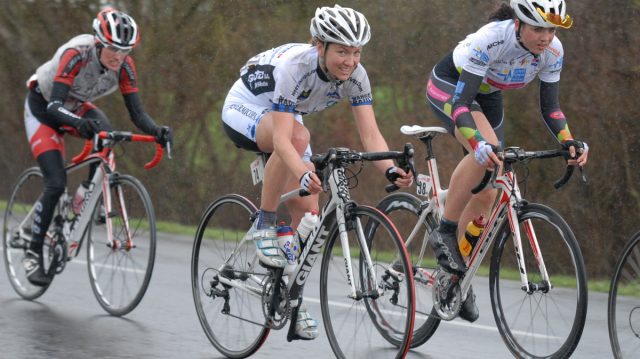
300 139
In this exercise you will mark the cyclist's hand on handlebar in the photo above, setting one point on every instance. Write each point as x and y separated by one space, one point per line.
579 148
310 182
399 177
88 127
485 155
164 136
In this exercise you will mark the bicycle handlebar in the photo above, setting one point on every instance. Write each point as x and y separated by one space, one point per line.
341 156
120 136
514 154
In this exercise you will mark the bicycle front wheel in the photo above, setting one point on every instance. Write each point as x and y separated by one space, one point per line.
360 324
547 320
226 279
624 303
16 234
404 211
122 245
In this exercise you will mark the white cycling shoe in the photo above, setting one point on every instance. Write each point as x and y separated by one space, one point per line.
306 327
268 248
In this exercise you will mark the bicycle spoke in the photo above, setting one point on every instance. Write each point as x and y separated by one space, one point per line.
624 303
120 274
545 321
230 316
361 327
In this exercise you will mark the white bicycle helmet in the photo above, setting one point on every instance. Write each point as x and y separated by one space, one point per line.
543 13
117 29
340 25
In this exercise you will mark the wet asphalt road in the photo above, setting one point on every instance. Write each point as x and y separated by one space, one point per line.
67 322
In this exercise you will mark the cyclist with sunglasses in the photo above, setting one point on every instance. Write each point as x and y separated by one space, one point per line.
465 92
60 94
263 113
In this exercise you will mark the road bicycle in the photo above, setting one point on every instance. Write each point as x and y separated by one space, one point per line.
116 219
539 301
623 307
366 303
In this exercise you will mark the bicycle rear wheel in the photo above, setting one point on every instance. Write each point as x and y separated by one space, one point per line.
16 234
121 246
623 310
362 326
546 322
231 315
404 211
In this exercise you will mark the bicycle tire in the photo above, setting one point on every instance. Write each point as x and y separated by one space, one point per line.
623 304
120 274
552 334
219 238
404 211
24 195
358 327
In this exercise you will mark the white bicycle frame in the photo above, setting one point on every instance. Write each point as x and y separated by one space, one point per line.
319 234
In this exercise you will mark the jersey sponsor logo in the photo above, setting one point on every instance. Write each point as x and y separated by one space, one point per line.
245 111
480 55
73 62
436 93
131 76
284 105
516 75
495 43
362 99
477 62
504 86
304 95
557 64
535 61
358 84
333 95
259 79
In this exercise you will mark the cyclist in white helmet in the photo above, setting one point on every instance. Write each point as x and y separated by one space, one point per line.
264 109
465 92
61 92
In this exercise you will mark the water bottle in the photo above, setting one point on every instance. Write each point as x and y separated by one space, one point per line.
307 223
290 245
78 198
471 235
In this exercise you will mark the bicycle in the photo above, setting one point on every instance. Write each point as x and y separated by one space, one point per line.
623 304
117 220
539 302
364 301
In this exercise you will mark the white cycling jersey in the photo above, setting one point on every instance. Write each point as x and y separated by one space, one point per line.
287 79
494 53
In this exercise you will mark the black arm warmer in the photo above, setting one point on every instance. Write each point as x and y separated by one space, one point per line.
57 115
550 108
140 118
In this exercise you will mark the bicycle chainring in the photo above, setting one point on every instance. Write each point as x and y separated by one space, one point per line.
280 315
446 295
58 256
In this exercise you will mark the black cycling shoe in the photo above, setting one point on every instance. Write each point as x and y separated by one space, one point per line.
32 263
469 310
445 246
